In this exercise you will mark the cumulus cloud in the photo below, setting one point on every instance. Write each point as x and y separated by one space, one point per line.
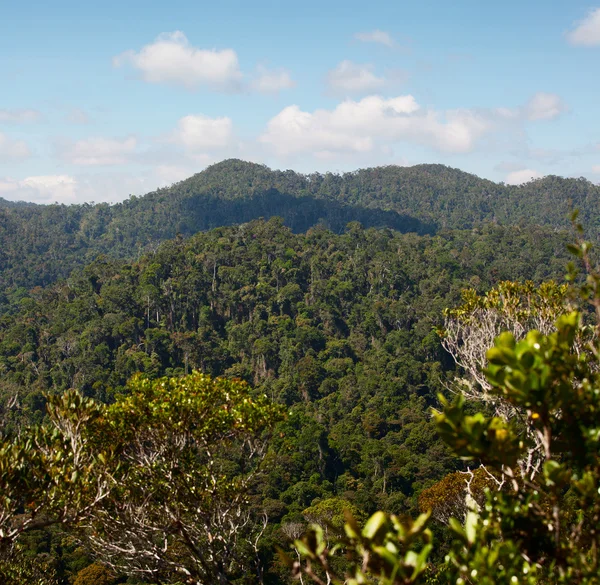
40 189
98 151
544 106
19 116
199 132
351 78
371 123
376 36
541 106
105 186
587 31
522 176
13 149
271 80
171 59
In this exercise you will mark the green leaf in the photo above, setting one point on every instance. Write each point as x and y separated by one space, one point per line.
375 524
457 528
471 526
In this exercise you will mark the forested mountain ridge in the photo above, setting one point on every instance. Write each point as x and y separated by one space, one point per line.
337 325
41 243
7 203
257 271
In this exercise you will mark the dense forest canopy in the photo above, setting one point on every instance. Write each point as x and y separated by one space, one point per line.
331 309
338 327
41 243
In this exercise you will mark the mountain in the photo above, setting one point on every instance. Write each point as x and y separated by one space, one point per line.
42 243
338 327
6 203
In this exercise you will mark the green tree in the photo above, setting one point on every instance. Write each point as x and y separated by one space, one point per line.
56 472
191 449
470 330
158 485
94 574
16 568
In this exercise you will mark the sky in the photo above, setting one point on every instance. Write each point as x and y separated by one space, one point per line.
101 100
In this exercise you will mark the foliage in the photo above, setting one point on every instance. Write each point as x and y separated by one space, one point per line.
191 450
452 496
338 327
18 569
158 484
540 528
548 525
382 551
57 472
40 244
94 574
470 329
331 513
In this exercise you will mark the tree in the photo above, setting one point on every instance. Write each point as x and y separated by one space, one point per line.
56 472
94 574
543 528
158 484
191 449
470 330
456 494
18 569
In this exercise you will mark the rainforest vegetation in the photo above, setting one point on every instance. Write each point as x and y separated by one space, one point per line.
42 243
203 373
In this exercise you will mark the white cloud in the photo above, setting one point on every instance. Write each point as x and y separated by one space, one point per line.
171 59
351 78
372 123
376 36
40 189
105 186
522 176
596 169
271 81
77 116
541 106
544 106
19 116
98 151
198 132
108 185
587 31
13 149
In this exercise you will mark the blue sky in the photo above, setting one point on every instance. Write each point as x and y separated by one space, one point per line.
102 100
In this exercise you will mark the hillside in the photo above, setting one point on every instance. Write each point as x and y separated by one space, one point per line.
338 327
6 203
342 326
40 244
